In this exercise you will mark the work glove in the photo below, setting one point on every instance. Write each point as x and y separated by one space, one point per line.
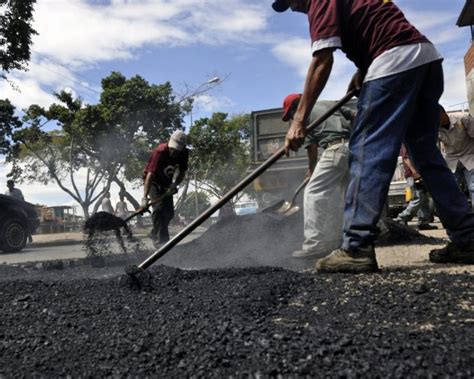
173 189
145 202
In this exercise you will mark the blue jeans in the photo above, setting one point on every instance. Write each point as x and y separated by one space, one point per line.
462 173
419 205
391 110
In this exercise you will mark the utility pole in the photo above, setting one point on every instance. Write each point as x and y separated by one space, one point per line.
196 199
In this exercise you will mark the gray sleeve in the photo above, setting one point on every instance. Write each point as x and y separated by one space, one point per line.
468 123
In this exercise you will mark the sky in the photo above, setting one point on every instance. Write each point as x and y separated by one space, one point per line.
261 55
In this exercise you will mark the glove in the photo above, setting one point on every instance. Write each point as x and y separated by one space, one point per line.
145 202
173 189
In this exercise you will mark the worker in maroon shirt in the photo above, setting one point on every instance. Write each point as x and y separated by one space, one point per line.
400 78
163 173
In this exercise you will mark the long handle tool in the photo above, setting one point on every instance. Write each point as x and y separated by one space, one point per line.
153 202
132 270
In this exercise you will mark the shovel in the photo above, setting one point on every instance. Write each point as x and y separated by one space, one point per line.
134 271
286 207
142 210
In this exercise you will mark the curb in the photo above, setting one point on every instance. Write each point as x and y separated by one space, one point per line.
67 242
70 242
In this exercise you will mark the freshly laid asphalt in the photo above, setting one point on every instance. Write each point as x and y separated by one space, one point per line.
241 319
255 322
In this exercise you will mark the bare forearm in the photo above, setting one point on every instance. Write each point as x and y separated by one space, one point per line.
316 79
147 185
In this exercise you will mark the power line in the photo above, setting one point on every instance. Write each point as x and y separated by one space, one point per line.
64 76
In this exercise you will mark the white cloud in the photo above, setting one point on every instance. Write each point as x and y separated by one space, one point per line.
76 34
209 103
28 92
455 93
296 53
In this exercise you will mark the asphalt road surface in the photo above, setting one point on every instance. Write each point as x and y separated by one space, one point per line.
48 253
411 319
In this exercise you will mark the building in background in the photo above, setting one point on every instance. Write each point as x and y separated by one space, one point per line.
58 219
466 18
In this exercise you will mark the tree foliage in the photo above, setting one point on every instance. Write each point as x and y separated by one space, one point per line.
15 34
57 156
112 140
9 122
188 208
220 151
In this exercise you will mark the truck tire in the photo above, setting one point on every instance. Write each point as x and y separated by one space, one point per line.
14 236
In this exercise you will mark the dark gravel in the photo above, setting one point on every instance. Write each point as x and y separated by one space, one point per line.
84 321
266 240
254 322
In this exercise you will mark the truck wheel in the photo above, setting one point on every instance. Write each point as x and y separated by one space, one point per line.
14 236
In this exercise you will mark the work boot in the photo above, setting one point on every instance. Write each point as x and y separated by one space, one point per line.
452 253
363 260
308 254
426 226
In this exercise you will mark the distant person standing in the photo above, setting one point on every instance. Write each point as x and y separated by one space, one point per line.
420 204
106 204
121 209
457 136
14 192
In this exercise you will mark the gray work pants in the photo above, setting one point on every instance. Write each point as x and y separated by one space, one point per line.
324 200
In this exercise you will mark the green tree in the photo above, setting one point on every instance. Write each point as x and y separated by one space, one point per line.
199 200
122 129
220 152
15 34
112 140
57 156
9 122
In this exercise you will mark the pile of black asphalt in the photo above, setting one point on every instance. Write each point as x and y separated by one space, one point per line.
266 239
236 322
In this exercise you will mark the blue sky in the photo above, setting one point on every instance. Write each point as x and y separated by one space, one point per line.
263 55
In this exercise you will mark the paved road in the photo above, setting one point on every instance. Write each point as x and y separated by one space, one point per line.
36 254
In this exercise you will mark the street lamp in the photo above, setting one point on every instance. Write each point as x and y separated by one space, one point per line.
214 80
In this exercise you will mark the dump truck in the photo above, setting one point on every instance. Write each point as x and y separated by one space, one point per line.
280 181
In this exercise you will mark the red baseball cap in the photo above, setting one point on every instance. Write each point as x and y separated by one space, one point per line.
287 104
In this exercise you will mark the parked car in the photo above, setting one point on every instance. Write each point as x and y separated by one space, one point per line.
246 208
18 220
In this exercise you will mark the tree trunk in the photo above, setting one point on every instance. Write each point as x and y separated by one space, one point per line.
85 210
127 194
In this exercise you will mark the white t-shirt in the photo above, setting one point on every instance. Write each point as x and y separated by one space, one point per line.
107 205
402 58
121 208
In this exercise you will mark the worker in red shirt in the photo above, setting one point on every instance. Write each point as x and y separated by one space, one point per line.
420 203
400 79
163 173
